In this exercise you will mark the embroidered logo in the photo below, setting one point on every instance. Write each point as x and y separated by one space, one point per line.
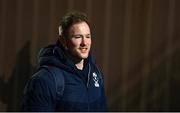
96 79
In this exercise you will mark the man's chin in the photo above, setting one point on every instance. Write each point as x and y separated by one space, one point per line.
84 56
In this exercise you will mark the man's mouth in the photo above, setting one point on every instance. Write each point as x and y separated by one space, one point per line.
83 50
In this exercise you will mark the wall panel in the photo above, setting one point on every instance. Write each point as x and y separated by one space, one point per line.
136 44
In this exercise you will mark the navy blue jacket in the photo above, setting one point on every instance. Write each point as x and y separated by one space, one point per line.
82 90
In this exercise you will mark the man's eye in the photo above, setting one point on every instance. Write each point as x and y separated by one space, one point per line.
88 36
77 37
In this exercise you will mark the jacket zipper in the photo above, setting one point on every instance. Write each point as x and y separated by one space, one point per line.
88 84
88 76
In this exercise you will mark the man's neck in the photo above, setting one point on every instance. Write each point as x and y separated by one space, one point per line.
80 64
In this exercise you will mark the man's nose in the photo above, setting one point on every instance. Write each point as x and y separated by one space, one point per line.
83 41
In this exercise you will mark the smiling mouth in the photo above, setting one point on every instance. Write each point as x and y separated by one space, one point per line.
83 50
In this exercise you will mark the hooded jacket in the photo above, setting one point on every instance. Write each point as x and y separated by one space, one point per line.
83 90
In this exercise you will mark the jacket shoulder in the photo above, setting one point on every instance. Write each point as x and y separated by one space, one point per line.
40 82
58 77
39 92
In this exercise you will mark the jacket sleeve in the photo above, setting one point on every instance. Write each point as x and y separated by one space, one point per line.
39 93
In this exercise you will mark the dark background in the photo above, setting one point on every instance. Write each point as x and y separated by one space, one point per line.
136 44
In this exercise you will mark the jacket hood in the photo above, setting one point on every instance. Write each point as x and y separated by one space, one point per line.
54 55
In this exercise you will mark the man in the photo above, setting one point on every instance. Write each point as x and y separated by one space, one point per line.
68 78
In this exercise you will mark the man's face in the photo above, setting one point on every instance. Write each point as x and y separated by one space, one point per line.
79 40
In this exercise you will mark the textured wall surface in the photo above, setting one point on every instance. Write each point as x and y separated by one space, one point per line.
136 43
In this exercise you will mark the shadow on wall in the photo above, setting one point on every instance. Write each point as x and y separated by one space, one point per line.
12 91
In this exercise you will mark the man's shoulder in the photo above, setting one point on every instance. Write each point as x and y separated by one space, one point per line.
48 73
41 83
42 74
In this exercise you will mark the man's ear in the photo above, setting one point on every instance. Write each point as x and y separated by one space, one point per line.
63 41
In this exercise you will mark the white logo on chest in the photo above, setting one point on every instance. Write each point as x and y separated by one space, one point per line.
96 79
